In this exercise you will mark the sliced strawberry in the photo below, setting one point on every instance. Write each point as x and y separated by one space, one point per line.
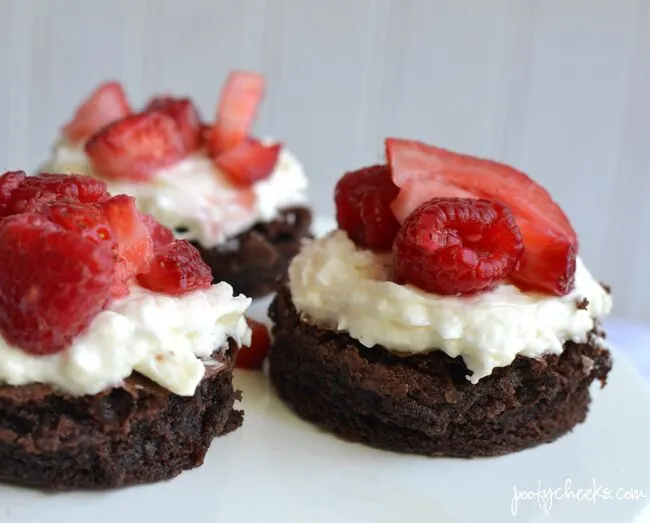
253 356
177 269
249 162
132 235
413 193
205 133
413 161
424 172
185 115
136 147
160 234
105 105
548 264
238 104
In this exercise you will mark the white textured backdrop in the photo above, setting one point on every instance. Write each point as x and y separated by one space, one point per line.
560 88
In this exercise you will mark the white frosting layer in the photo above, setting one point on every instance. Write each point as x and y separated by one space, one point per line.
162 337
195 195
336 285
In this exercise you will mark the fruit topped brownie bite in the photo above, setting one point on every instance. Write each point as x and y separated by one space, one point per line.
240 200
116 350
449 314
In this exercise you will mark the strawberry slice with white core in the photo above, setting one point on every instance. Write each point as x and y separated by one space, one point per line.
249 162
105 105
240 99
135 247
137 147
415 192
550 243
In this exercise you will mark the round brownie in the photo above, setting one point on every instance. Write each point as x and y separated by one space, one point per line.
255 262
424 403
137 433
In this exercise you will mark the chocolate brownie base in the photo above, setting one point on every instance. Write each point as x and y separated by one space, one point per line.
255 262
140 433
424 404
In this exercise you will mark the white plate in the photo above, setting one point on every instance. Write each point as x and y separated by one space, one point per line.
279 469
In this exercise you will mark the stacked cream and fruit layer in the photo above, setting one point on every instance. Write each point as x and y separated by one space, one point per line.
208 183
168 339
420 263
92 291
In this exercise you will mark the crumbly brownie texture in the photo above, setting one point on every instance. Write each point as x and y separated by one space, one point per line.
140 433
255 262
423 404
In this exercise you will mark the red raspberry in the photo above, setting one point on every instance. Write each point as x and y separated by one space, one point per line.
70 186
363 210
9 181
177 269
457 246
52 283
550 244
253 356
37 193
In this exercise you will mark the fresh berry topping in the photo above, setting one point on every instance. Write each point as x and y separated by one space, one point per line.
135 147
253 356
422 172
205 133
249 162
415 192
363 210
177 269
37 193
64 187
548 264
53 283
456 246
9 181
185 115
87 220
104 106
240 98
160 234
134 247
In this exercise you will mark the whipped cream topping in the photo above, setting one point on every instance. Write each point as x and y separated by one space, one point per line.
337 285
168 339
198 197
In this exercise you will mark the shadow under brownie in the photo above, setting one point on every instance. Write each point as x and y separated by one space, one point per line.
255 262
138 433
423 403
